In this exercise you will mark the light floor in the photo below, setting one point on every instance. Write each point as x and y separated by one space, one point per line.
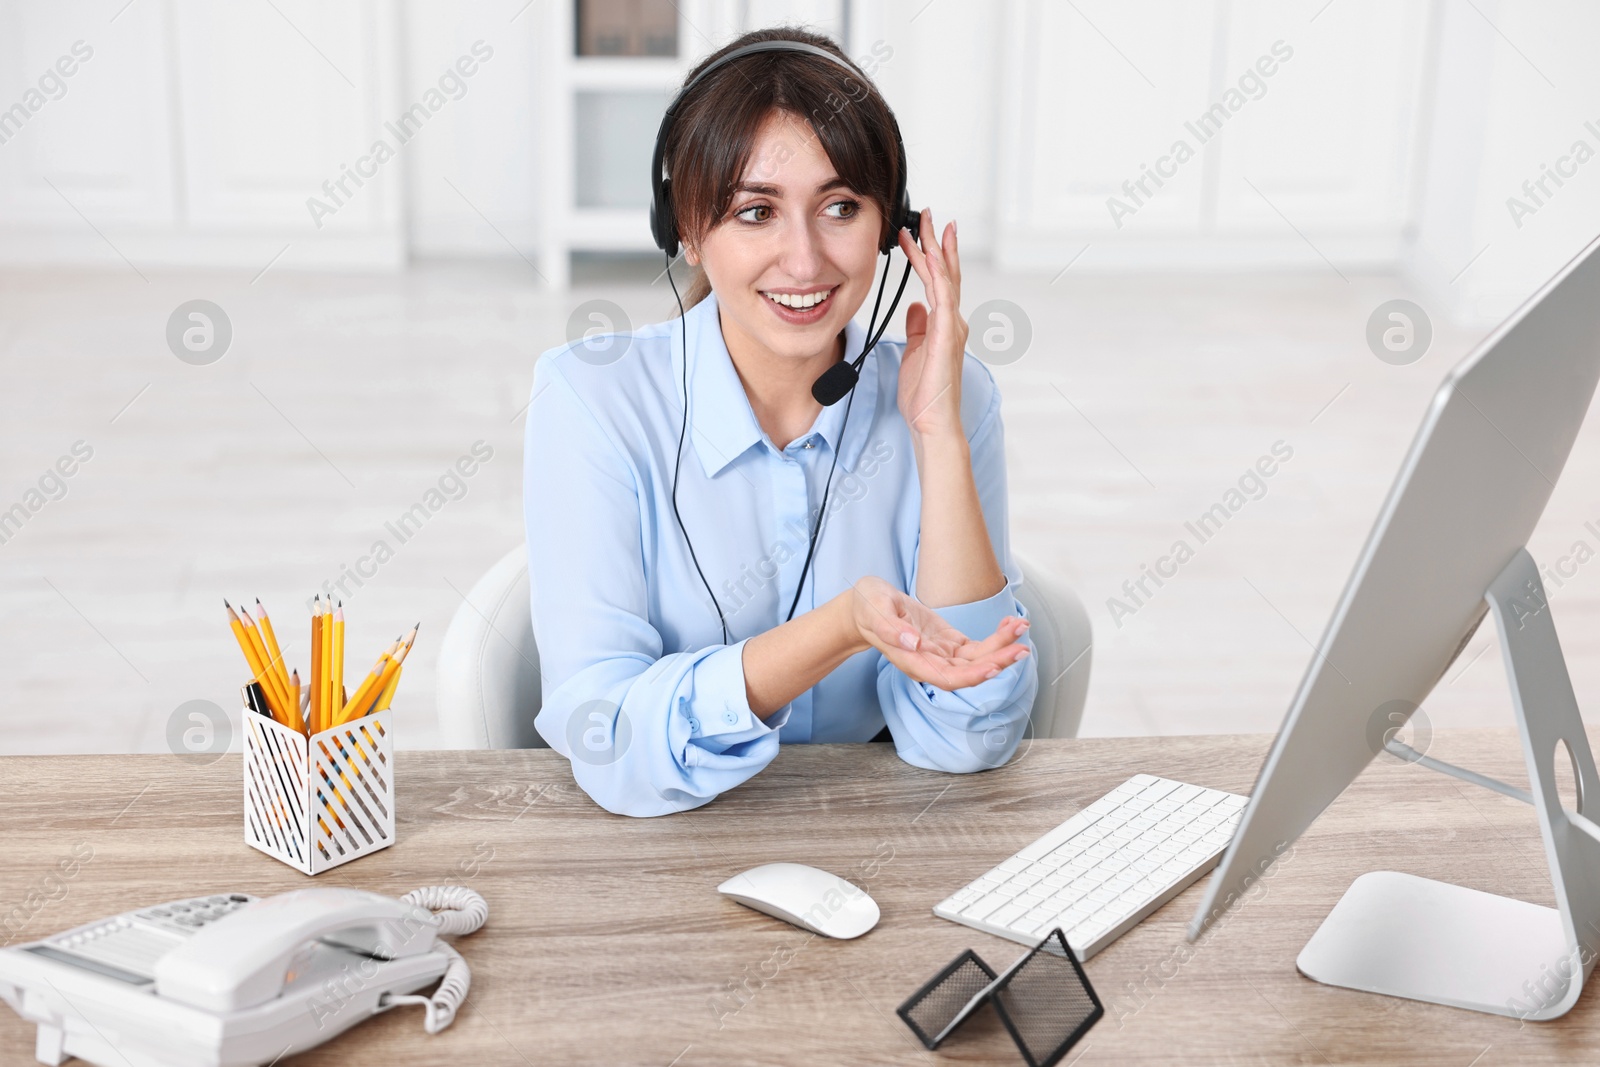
344 399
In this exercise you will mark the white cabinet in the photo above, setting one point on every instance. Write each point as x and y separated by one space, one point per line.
84 107
281 102
1329 141
1099 94
1207 132
199 133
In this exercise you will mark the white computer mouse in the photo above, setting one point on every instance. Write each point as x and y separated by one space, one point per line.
810 898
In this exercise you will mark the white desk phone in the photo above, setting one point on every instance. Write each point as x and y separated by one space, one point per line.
237 981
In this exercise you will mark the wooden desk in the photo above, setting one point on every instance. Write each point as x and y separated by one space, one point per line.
608 944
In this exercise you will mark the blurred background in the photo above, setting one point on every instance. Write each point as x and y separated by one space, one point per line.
1184 226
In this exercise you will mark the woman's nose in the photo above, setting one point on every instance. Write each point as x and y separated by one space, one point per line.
801 252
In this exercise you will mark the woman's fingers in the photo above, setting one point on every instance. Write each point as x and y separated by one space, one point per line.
1000 658
917 258
955 257
944 673
935 282
890 624
927 648
1009 631
949 674
947 659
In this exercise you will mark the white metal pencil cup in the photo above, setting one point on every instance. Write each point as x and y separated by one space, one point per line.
316 802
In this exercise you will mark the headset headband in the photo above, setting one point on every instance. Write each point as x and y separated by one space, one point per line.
663 219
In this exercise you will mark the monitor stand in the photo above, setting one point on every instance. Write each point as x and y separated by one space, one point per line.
1425 940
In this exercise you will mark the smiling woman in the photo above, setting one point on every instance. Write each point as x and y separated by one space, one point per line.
784 179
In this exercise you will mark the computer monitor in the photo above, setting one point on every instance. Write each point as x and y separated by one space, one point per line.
1490 449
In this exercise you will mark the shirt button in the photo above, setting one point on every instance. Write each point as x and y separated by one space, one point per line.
694 723
810 444
730 717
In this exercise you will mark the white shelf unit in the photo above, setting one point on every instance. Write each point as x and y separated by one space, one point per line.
564 225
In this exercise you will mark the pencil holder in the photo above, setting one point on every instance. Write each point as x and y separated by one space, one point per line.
316 802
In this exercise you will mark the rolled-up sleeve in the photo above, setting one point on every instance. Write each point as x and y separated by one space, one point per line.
646 733
980 726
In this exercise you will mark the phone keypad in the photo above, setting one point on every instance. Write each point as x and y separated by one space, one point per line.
187 916
134 941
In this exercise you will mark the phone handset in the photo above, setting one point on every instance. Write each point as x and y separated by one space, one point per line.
244 962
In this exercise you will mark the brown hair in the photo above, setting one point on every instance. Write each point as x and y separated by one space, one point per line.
715 125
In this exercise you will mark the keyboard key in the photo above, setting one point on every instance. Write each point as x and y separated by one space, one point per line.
980 909
1055 837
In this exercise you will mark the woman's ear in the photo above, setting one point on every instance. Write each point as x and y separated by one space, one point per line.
691 255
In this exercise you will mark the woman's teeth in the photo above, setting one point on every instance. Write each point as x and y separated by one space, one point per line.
798 302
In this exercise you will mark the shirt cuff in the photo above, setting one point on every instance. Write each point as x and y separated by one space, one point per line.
980 618
721 708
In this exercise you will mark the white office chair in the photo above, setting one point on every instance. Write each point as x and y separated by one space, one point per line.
488 681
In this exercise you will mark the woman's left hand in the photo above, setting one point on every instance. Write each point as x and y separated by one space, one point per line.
936 335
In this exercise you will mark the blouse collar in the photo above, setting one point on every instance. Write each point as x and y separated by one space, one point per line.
722 423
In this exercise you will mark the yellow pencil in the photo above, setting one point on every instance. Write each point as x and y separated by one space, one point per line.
336 676
327 666
280 693
388 691
273 650
257 668
364 695
314 719
390 674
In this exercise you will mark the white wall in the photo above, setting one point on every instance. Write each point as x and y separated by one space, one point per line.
1516 87
196 133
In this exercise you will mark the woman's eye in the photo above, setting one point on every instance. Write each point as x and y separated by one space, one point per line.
852 208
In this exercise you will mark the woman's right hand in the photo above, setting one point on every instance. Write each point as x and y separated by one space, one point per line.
914 638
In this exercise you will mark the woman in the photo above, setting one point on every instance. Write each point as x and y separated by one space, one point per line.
668 666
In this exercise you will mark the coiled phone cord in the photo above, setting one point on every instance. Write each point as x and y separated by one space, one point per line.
459 911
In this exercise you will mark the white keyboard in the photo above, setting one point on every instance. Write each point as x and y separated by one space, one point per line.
1104 869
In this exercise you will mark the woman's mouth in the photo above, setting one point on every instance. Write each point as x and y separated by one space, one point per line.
799 309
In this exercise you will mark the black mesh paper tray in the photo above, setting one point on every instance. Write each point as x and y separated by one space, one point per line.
1044 999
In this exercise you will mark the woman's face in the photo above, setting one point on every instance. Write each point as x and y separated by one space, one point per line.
794 257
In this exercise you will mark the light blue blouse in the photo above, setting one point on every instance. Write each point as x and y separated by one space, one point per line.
639 690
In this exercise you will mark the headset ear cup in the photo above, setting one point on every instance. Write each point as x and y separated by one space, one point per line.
897 214
906 219
663 224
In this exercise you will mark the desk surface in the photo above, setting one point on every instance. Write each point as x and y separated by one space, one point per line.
607 942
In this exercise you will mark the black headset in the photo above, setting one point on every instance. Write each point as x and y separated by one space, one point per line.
840 379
